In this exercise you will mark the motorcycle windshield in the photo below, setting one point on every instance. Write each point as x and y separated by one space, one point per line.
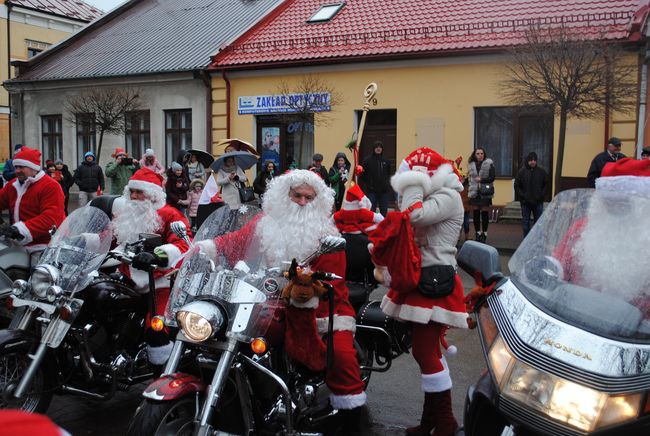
79 246
230 273
584 263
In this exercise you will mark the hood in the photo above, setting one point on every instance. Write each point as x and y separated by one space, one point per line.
531 156
341 154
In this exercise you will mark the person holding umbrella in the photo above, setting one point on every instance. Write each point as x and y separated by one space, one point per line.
229 178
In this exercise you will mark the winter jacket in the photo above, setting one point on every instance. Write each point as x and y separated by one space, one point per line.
192 202
337 180
229 188
89 176
156 166
119 175
375 178
531 185
322 172
175 193
66 181
261 181
484 170
598 163
195 171
9 171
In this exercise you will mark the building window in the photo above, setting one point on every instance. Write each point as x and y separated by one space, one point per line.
85 134
31 52
52 137
137 133
326 12
178 132
287 140
508 134
35 47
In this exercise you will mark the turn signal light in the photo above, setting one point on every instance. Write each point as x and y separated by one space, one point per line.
157 324
258 345
65 312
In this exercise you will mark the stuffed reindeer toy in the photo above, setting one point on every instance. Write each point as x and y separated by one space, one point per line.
301 339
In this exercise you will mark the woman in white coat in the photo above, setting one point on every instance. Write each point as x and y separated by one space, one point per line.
229 178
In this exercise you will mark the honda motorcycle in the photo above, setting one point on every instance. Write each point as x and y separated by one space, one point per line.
230 319
566 341
76 330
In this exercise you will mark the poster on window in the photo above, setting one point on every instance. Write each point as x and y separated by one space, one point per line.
271 145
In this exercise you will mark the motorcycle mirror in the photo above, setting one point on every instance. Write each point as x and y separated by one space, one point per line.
151 240
179 229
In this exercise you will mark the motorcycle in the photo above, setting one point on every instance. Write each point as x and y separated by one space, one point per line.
15 263
230 319
76 330
567 344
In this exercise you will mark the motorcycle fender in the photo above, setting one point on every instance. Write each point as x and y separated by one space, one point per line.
173 386
14 257
11 340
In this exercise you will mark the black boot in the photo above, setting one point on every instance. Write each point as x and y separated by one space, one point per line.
349 422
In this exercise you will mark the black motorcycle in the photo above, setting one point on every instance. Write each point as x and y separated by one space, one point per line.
77 329
230 319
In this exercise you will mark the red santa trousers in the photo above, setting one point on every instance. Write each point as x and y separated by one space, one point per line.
344 378
428 354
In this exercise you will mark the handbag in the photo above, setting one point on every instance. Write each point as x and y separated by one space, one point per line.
486 190
246 193
437 281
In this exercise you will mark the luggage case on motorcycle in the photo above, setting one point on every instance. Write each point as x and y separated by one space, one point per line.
388 337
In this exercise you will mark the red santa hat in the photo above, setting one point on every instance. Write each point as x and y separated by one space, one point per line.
150 183
355 199
119 151
427 168
28 157
626 175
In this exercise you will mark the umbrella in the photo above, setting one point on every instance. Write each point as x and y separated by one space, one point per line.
239 145
243 160
204 158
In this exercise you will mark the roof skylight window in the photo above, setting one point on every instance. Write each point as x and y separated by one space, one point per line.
326 12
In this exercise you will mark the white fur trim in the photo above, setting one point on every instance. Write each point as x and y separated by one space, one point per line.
341 323
366 203
351 205
155 193
141 279
27 235
377 218
451 351
401 181
173 254
423 315
159 355
347 402
628 184
21 189
312 303
26 163
444 177
438 382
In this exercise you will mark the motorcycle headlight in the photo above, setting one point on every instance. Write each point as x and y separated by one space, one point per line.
567 402
19 287
53 292
200 320
42 278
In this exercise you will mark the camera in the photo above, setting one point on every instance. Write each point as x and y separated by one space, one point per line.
127 160
236 178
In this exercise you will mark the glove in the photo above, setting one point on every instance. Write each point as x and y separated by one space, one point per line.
10 232
145 260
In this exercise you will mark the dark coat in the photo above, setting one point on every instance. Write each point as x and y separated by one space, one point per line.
9 172
598 164
531 185
89 176
175 193
67 181
261 181
376 174
322 172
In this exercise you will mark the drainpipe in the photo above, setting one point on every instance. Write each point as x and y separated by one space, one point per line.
208 110
9 5
225 79
642 105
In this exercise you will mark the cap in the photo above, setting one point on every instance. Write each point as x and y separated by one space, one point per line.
614 141
317 157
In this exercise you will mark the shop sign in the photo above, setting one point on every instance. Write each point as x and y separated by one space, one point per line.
282 104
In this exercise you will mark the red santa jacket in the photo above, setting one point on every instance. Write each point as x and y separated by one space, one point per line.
235 245
173 246
35 206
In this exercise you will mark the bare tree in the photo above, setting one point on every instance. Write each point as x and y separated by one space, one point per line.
559 69
105 108
306 97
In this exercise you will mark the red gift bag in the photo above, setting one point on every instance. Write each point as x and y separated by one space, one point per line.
395 248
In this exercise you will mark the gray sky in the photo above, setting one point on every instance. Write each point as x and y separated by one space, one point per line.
105 5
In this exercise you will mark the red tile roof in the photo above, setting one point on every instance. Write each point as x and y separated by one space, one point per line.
380 28
74 9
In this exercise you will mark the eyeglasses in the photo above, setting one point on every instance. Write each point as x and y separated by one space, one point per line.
298 196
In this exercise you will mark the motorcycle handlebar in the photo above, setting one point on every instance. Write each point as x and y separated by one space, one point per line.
323 275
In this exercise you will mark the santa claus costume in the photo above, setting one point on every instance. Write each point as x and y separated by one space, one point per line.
35 205
150 215
355 216
429 188
286 230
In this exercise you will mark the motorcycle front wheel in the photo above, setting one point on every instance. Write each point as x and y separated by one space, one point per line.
13 366
164 418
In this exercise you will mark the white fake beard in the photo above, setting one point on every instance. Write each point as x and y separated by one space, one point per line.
289 231
135 217
610 251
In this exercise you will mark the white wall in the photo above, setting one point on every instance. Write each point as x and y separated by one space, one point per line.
159 93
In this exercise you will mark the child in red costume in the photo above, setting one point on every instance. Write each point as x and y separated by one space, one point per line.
355 216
